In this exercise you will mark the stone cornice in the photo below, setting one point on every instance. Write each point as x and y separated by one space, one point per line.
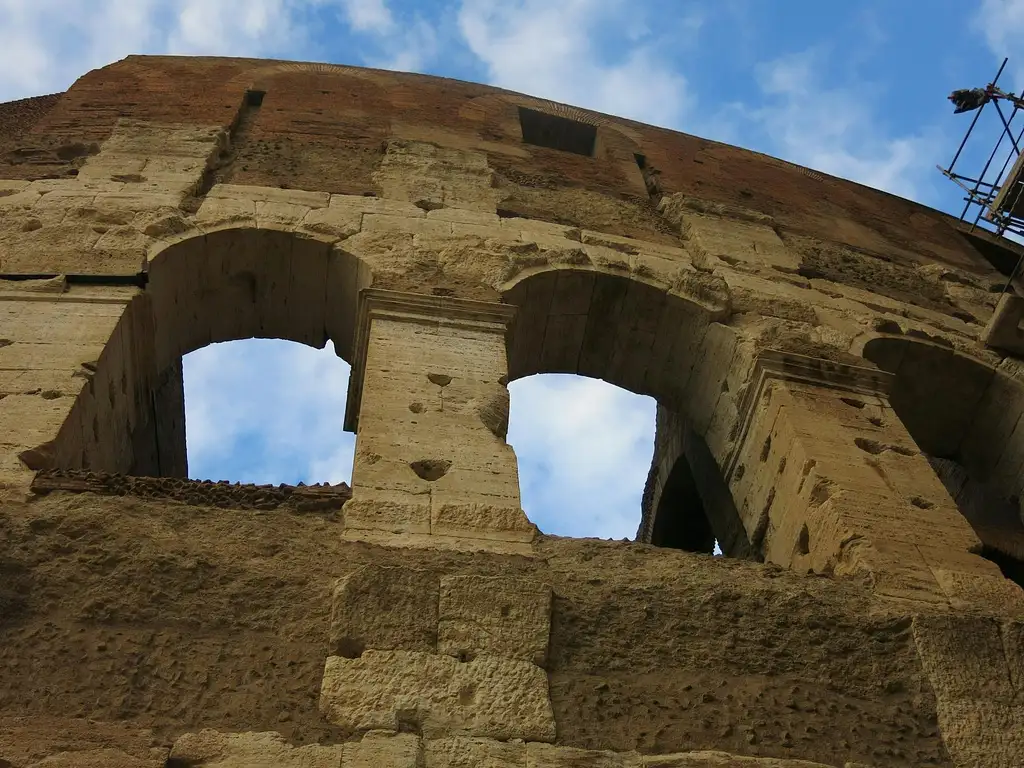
777 365
452 312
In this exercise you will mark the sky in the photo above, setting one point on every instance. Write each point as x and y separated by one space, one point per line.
857 90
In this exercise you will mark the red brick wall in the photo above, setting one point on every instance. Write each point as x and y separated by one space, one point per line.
322 128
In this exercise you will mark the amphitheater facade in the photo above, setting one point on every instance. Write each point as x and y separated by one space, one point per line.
840 384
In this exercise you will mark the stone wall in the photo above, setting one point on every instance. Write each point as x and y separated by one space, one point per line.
833 402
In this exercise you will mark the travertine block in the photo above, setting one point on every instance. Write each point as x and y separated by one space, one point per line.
383 514
384 609
393 690
472 520
383 749
212 749
712 759
217 212
734 240
464 752
335 222
269 195
494 616
100 758
279 215
551 756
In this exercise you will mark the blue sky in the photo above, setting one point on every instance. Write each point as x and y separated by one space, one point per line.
852 89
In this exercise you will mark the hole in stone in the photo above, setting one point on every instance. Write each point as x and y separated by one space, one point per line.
505 610
49 394
263 411
439 379
556 132
431 469
803 542
349 648
852 403
920 503
466 695
641 160
465 656
254 98
428 205
876 420
766 449
416 407
870 446
782 465
741 470
408 721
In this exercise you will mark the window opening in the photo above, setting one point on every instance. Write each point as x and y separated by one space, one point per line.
267 411
556 132
584 449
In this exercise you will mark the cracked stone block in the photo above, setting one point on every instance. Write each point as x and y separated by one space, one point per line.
463 752
384 609
437 696
551 756
494 616
382 749
212 749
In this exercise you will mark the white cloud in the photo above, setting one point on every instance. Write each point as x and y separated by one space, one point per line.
562 51
267 411
584 450
368 15
1001 23
838 130
46 44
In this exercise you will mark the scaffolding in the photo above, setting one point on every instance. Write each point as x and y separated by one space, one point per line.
993 203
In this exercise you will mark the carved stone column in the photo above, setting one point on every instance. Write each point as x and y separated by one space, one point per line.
828 478
429 403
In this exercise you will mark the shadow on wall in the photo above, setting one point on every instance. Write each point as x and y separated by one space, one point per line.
968 418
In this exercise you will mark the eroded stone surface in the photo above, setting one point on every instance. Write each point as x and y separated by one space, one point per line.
384 609
438 695
508 618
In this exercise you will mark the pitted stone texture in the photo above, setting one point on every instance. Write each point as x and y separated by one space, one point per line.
465 752
494 616
96 758
711 759
437 695
551 756
212 749
383 749
713 240
384 609
973 665
434 176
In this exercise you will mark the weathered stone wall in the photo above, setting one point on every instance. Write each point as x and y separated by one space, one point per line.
835 375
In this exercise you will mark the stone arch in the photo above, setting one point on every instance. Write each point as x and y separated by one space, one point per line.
229 284
967 417
608 325
638 335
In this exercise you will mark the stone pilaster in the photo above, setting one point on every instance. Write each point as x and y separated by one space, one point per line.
429 403
828 478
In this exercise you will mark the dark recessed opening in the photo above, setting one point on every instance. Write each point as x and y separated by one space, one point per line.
1011 567
681 522
254 98
554 132
641 161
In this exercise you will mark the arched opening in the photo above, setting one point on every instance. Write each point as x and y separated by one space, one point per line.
227 285
967 418
266 411
681 522
626 332
583 448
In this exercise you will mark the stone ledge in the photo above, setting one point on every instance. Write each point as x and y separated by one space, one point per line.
302 498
